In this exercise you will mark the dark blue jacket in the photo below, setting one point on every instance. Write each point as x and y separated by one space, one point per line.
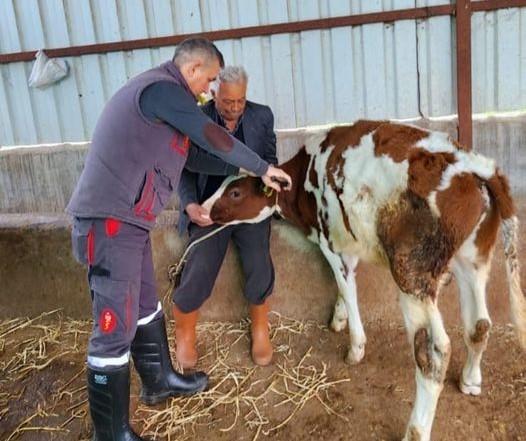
258 131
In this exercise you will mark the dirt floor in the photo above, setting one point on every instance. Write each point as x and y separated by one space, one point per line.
308 392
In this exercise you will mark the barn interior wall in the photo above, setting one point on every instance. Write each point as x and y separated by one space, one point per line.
402 69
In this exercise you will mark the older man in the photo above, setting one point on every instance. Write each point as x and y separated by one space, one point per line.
252 124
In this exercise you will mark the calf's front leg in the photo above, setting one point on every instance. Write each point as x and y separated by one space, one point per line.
346 309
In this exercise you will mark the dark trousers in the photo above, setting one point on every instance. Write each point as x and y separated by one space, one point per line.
205 259
121 279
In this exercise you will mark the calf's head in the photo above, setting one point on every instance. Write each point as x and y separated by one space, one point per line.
241 199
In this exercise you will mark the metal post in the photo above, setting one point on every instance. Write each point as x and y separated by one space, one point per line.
463 27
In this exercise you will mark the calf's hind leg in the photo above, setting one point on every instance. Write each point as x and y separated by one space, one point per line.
471 281
431 351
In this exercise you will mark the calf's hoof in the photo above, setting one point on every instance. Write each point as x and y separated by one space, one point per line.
414 434
470 389
355 354
338 325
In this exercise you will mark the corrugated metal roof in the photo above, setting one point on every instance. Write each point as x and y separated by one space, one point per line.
392 70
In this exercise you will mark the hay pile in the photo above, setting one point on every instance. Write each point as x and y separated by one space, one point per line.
240 394
31 346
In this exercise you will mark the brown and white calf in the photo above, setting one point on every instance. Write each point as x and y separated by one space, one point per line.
412 200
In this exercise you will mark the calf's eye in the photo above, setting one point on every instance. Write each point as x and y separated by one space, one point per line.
235 194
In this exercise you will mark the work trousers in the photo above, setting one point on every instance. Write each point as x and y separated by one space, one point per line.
205 258
118 257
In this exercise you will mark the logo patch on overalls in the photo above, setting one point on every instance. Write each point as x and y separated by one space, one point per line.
107 321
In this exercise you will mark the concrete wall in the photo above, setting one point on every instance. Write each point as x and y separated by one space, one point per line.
37 272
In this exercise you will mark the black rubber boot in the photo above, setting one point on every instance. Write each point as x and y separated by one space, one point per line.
109 402
151 356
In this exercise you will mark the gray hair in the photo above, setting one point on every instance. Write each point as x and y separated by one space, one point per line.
191 48
232 74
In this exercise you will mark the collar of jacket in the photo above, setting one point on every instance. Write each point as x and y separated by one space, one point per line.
176 73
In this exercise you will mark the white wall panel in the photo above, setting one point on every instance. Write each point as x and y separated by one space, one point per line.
436 59
281 76
393 70
499 60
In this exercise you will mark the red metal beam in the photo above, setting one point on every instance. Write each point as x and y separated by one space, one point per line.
491 5
463 27
253 31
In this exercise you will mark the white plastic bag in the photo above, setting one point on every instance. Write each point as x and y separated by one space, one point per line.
47 71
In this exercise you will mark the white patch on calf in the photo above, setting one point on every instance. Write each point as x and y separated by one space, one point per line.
432 202
315 136
467 162
261 216
384 180
437 142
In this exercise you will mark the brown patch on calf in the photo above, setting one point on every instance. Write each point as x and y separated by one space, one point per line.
500 189
346 222
461 206
396 140
342 137
502 206
298 205
457 145
415 243
313 176
426 169
487 233
481 331
421 348
323 221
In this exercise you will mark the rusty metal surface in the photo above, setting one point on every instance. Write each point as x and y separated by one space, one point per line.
463 27
251 31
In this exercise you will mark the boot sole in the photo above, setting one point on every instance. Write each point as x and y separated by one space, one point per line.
152 400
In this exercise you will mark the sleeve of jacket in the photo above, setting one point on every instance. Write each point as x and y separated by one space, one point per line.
270 154
200 161
187 189
175 106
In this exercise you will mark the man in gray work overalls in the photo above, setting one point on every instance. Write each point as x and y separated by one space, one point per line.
140 145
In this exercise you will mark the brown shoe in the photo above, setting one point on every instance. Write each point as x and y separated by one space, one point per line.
185 351
259 329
